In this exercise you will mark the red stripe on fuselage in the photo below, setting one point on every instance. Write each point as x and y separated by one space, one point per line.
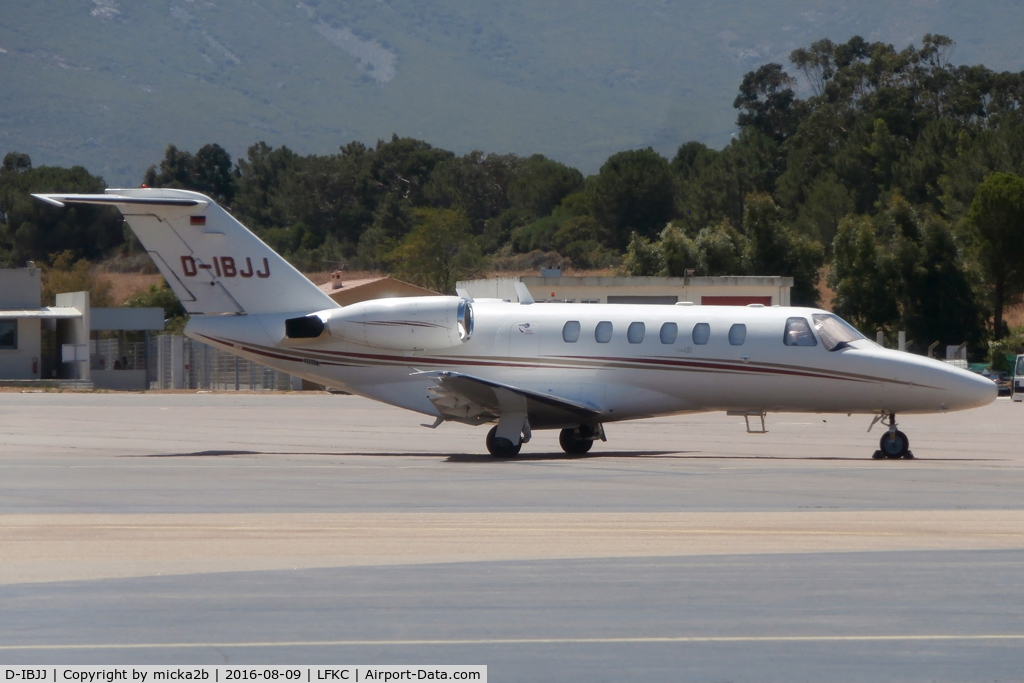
371 359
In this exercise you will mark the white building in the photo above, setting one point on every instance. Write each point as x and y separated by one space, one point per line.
22 321
52 343
721 291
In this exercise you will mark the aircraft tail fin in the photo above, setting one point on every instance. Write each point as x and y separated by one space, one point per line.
213 263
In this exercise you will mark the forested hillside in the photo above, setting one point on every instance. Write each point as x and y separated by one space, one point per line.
898 170
108 84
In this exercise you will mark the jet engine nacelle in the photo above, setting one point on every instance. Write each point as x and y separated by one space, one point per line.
402 324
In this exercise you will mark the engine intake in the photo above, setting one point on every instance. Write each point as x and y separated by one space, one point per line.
402 324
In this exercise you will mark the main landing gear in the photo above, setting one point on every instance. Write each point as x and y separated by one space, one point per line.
894 444
575 441
501 447
580 440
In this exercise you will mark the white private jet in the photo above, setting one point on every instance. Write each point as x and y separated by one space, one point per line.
572 367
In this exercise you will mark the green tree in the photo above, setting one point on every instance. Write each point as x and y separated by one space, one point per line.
208 171
767 102
536 187
721 250
997 221
329 195
827 202
939 303
861 282
583 241
402 167
30 229
438 252
570 230
643 257
541 184
777 250
633 191
977 154
391 222
691 158
476 184
678 250
261 175
902 269
717 185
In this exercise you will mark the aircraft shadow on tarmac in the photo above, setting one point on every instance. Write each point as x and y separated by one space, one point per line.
535 457
454 457
556 455
200 454
670 455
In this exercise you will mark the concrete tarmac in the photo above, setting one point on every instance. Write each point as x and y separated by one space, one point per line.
247 528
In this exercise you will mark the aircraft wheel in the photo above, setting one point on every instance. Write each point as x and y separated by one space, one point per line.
501 447
572 443
894 445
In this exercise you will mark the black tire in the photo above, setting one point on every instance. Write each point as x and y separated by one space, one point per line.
500 447
572 443
894 445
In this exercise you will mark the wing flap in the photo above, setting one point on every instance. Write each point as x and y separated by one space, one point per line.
474 400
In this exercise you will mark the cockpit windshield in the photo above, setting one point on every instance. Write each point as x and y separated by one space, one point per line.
834 332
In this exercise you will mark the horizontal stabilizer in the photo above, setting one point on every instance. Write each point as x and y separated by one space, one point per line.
113 199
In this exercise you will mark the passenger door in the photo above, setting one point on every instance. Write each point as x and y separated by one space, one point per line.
524 345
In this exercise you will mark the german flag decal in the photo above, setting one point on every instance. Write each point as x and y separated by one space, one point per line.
197 220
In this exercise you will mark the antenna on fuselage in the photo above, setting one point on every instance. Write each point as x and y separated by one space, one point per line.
525 298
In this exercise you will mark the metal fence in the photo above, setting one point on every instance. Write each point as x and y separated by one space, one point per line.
111 354
182 363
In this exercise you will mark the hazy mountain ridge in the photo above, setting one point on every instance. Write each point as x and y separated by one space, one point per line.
109 84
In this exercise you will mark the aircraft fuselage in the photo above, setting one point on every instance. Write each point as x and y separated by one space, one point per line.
631 374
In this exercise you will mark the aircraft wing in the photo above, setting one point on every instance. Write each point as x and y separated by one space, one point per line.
474 400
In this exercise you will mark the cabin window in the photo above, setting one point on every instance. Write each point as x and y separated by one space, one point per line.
798 333
835 332
8 334
738 334
603 332
701 333
571 332
635 333
669 332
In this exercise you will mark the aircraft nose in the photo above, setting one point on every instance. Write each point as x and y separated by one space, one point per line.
969 390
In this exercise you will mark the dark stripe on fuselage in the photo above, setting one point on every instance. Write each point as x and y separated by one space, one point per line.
328 357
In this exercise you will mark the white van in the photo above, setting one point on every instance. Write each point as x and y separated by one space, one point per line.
1018 379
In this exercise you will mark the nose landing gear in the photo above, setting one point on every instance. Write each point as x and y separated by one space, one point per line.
894 444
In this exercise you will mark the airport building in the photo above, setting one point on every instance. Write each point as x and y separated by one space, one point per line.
63 344
551 286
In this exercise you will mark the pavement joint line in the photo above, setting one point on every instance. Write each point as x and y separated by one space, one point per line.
531 641
576 529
